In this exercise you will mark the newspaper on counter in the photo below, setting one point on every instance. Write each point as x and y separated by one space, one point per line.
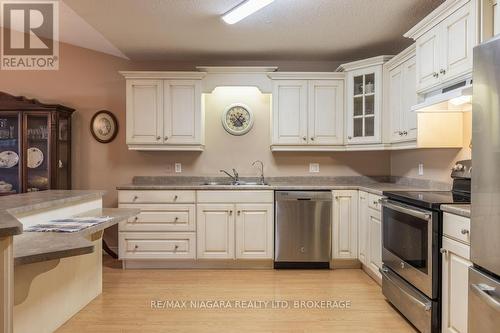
73 224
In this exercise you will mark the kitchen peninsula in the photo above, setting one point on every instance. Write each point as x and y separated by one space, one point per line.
47 276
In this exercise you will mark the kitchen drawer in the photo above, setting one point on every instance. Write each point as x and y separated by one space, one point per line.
456 227
236 196
373 201
158 217
153 245
156 196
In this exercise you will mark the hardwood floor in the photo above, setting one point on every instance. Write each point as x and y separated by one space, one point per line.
125 304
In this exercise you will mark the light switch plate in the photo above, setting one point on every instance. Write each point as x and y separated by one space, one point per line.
420 169
178 167
314 167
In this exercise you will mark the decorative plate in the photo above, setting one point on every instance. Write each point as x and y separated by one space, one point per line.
237 119
8 159
35 157
104 126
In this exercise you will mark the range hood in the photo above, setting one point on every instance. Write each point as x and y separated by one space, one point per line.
456 98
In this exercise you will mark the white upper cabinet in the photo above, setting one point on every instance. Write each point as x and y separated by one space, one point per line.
308 111
182 117
326 110
429 59
401 95
444 43
364 100
144 111
164 111
290 112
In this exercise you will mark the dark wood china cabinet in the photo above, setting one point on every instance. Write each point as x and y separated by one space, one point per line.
35 145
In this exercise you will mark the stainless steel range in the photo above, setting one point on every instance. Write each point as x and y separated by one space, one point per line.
411 241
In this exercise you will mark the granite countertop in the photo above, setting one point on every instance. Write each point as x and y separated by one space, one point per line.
24 203
458 209
31 247
375 185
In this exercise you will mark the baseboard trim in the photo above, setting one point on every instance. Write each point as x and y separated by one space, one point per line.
345 264
197 264
375 277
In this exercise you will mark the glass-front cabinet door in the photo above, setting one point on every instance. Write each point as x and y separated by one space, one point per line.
63 160
37 146
10 156
363 105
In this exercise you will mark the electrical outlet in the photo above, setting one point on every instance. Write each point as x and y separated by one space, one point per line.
420 169
178 167
314 167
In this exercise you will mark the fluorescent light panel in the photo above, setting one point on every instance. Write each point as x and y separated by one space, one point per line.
244 9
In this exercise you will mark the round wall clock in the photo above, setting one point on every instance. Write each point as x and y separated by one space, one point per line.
104 126
237 119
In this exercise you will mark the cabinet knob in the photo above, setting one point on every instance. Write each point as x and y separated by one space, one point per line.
176 219
400 133
304 138
375 202
442 71
239 212
230 212
60 164
135 198
176 197
166 138
443 251
136 219
349 137
435 74
158 138
312 139
464 232
405 133
176 247
136 247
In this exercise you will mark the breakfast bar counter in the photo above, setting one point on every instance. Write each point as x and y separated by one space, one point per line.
49 276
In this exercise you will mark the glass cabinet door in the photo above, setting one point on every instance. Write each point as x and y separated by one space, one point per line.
10 157
37 151
63 163
364 106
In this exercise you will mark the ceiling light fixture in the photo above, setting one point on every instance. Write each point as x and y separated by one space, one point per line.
244 9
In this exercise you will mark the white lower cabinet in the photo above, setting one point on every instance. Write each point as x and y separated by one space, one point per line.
455 285
235 228
370 232
363 228
254 231
215 236
375 241
345 224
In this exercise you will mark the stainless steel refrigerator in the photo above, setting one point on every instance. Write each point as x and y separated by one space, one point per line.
484 275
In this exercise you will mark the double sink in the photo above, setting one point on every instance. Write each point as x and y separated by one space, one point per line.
239 183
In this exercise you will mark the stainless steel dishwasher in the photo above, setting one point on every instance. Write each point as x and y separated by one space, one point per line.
303 235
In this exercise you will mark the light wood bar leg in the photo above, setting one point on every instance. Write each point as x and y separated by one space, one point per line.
7 285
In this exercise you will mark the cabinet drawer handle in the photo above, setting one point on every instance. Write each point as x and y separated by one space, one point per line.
176 247
158 138
442 71
136 247
375 203
464 232
435 74
136 219
176 197
135 198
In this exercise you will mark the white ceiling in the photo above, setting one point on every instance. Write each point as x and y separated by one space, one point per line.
285 30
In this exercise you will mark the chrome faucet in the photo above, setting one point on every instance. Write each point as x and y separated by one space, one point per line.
262 181
235 178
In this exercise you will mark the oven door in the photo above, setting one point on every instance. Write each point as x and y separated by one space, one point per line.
407 235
